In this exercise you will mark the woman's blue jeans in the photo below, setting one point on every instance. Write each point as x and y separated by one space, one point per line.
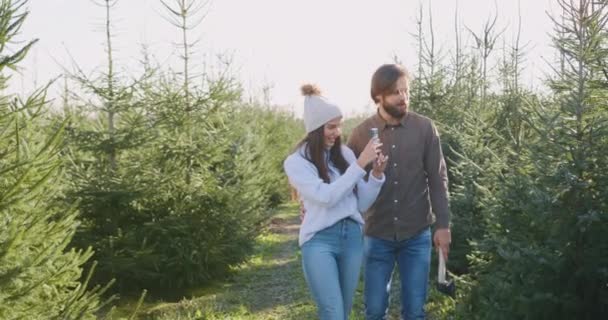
332 263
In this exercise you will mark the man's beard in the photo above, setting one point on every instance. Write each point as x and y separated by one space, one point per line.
396 111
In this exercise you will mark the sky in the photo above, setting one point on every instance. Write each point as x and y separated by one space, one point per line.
279 44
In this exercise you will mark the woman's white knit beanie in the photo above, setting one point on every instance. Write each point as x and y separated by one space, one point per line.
317 109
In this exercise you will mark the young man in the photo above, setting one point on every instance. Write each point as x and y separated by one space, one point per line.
397 226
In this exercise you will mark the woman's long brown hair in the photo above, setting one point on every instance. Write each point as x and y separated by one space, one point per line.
314 152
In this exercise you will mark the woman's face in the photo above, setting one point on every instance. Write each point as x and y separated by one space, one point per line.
332 131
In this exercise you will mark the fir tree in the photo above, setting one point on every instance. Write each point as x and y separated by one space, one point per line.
39 277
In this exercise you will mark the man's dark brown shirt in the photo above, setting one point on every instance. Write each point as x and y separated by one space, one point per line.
416 177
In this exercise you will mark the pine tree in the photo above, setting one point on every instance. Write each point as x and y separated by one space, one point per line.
195 171
544 254
39 277
107 121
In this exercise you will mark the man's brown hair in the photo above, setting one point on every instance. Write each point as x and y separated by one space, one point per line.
385 78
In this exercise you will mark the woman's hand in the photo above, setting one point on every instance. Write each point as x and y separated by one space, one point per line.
379 166
369 153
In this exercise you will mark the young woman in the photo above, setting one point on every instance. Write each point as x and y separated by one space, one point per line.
334 189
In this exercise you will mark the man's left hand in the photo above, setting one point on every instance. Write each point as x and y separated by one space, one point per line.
442 239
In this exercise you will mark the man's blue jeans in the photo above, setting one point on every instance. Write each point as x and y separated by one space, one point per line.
413 257
332 264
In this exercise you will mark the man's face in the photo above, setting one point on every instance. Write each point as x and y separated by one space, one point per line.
396 103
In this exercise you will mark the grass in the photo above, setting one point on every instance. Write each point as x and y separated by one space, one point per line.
269 285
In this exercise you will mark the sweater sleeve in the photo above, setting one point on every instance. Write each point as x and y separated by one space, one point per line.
304 177
367 189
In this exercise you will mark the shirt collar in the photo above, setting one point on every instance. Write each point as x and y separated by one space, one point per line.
380 122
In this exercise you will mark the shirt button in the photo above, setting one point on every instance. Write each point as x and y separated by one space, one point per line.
396 182
392 129
396 200
394 164
396 219
393 146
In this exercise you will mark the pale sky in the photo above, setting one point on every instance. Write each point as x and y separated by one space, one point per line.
282 43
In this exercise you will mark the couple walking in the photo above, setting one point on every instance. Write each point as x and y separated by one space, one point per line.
370 202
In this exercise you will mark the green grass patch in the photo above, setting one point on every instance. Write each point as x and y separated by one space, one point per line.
269 285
